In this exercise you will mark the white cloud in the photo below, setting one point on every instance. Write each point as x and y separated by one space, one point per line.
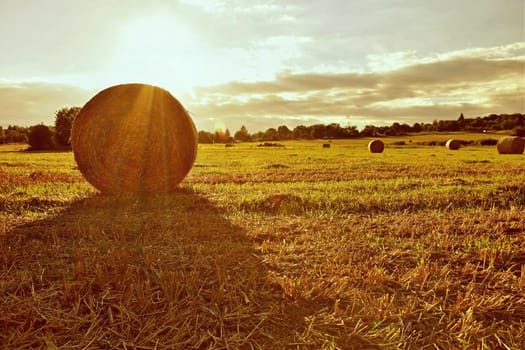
29 103
396 60
291 59
437 87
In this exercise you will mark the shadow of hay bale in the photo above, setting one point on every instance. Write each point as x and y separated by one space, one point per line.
164 271
169 267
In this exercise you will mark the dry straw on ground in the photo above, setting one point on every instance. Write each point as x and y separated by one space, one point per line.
134 138
453 144
511 145
376 146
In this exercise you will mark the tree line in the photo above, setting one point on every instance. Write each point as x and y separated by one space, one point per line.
43 137
492 122
57 137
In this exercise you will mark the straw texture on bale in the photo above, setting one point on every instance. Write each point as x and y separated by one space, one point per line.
376 146
134 138
453 144
511 145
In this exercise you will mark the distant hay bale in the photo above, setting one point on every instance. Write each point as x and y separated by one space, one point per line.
453 144
511 145
376 146
326 145
134 138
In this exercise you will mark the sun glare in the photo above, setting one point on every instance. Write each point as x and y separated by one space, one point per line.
220 125
160 51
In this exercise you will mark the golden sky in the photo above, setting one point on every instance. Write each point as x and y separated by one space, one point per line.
267 63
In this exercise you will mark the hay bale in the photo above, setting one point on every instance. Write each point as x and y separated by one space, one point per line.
134 138
376 146
326 145
453 144
511 145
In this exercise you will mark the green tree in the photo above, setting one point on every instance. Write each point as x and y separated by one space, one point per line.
369 131
270 135
258 136
318 131
301 132
205 137
284 133
63 121
242 134
15 133
40 137
351 131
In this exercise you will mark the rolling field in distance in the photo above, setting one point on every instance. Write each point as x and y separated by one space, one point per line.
294 247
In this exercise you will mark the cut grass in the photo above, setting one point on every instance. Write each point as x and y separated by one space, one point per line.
297 247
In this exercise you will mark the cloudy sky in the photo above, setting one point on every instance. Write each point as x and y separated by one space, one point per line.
267 63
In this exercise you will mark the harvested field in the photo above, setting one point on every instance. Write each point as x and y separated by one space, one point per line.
294 247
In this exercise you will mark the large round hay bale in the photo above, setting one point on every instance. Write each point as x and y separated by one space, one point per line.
511 145
376 146
453 144
134 138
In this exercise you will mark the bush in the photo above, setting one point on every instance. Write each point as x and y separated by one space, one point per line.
40 137
432 143
517 131
488 142
466 143
270 144
399 143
